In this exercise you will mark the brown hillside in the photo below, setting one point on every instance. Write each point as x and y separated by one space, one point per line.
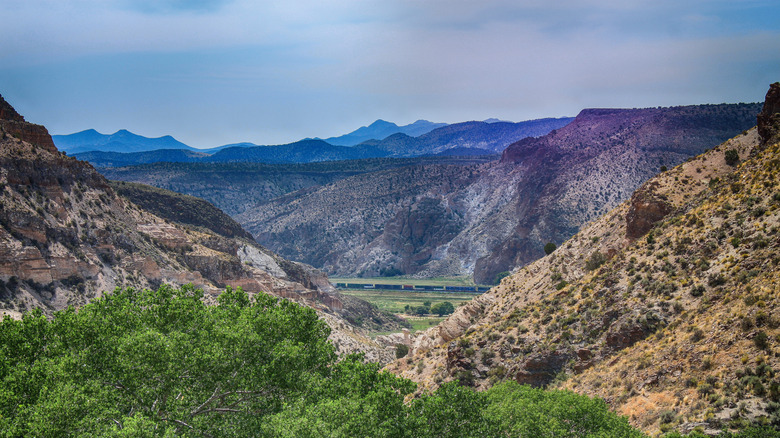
66 237
675 323
451 220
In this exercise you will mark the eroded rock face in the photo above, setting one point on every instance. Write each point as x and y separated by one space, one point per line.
769 117
14 124
646 210
541 368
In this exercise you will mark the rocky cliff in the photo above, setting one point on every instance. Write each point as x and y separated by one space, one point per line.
481 220
66 236
14 124
667 307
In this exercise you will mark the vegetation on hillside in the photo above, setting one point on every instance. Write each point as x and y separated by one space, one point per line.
667 307
183 209
163 363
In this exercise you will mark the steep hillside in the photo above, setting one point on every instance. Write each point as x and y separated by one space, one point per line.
667 307
183 209
67 237
119 159
491 218
237 187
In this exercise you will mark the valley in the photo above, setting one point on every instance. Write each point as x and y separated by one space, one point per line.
664 307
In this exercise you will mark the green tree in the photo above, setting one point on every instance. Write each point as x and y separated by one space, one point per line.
732 157
163 363
549 248
500 276
162 358
443 308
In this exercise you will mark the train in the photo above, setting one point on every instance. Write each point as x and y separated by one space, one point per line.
412 288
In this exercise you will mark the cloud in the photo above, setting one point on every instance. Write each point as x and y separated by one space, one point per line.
174 6
271 72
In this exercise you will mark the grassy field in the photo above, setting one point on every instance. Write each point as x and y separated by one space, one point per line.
395 301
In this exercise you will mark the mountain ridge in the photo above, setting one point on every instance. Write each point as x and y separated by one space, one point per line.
381 129
666 307
497 215
66 236
121 141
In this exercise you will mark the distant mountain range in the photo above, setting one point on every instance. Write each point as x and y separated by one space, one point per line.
381 129
461 139
484 219
121 141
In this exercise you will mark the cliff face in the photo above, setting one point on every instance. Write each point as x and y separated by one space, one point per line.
14 124
769 118
66 237
667 307
481 220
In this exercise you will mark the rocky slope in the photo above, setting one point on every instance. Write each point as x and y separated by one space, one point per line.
238 187
482 220
668 307
67 237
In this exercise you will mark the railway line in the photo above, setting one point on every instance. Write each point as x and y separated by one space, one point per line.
413 288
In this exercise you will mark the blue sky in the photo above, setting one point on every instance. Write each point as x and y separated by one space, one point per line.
211 72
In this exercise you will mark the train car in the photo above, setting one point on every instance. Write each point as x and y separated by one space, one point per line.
408 287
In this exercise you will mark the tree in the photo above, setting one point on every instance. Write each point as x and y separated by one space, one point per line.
732 157
500 276
163 363
401 350
549 248
160 358
443 308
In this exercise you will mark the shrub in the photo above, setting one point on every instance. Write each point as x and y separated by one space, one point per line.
549 248
443 308
761 340
732 157
595 260
500 276
401 350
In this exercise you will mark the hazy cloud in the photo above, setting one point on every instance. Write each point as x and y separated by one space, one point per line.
216 71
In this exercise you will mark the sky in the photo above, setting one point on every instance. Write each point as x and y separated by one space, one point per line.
213 72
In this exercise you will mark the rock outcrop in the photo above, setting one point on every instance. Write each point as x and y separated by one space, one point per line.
769 117
66 237
677 331
14 124
646 209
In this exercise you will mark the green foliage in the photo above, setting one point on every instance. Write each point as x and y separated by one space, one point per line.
160 358
401 350
500 276
443 308
549 248
595 260
162 363
732 157
390 272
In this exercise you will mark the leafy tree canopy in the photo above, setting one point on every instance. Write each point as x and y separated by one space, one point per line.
163 363
443 308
